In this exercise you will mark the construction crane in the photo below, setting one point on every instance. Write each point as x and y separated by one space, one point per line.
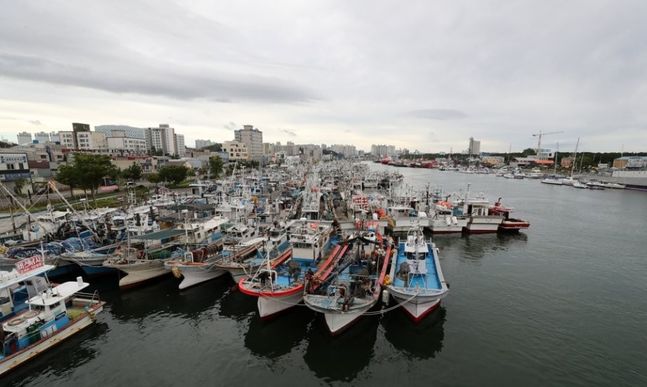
540 135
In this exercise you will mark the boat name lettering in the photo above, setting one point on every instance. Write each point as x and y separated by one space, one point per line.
29 264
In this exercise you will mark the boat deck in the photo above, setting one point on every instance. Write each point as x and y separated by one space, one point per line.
426 281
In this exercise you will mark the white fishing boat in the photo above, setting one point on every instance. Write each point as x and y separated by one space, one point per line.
405 217
310 239
242 259
447 218
47 316
416 278
481 221
354 286
196 266
279 285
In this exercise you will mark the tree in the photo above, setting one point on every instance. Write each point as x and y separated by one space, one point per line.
68 175
134 172
213 148
173 173
215 166
87 171
156 152
19 185
154 178
528 152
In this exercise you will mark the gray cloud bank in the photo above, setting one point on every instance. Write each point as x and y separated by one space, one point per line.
495 70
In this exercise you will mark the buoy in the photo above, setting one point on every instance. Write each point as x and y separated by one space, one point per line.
385 297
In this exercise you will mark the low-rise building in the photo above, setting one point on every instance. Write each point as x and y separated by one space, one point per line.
493 161
630 162
119 141
14 166
236 150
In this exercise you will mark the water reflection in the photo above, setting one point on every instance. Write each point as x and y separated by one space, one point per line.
61 360
474 247
342 357
423 340
164 297
237 305
276 337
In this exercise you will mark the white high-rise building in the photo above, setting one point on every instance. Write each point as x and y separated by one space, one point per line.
161 138
253 138
180 149
130 131
42 137
24 138
474 148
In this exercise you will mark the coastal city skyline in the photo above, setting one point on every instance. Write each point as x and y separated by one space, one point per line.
476 73
323 193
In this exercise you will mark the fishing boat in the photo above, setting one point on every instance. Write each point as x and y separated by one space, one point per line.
279 284
241 259
447 218
416 278
36 316
310 239
508 224
352 286
137 266
196 266
481 221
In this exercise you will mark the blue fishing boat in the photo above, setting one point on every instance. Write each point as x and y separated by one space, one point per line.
35 315
416 278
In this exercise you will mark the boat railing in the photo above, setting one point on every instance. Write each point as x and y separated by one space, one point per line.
87 298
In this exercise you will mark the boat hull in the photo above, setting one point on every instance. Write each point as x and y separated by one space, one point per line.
269 306
192 276
9 363
483 225
140 272
419 306
337 322
336 319
513 225
95 271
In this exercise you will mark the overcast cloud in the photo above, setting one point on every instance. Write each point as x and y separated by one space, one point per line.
424 75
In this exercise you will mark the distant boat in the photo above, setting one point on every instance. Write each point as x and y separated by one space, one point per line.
613 185
553 181
579 185
417 281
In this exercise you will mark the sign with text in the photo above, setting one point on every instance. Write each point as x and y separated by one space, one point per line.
29 264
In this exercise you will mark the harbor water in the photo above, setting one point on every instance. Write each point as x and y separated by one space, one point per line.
563 303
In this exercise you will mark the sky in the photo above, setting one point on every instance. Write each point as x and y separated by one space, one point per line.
424 75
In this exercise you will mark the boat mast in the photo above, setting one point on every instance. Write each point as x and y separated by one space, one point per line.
555 160
574 157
